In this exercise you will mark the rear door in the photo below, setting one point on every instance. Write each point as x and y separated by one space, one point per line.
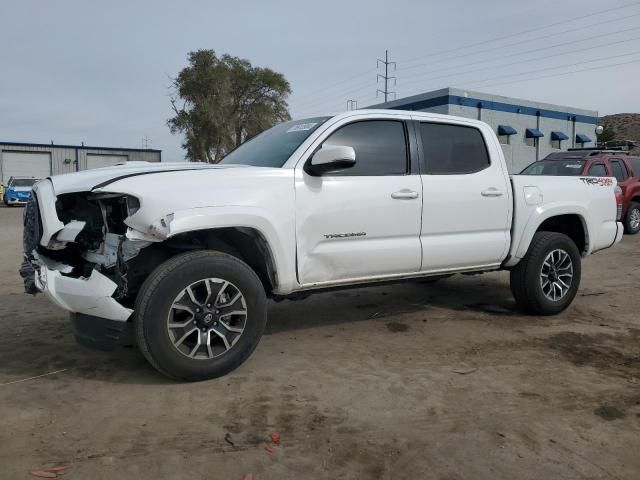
364 221
467 203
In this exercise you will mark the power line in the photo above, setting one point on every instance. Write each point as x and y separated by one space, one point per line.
522 32
482 85
326 88
525 41
559 74
353 88
610 57
322 91
544 57
386 76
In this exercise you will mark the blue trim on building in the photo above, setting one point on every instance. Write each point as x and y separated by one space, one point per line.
559 136
582 138
492 105
506 130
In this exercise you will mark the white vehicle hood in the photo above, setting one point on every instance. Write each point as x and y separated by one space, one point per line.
88 179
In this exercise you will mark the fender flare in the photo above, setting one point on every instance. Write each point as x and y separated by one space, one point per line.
543 213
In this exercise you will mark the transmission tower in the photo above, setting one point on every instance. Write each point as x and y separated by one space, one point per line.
386 76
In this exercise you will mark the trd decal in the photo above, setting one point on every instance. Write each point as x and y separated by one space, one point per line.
345 235
599 181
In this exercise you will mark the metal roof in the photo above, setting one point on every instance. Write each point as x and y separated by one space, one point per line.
80 147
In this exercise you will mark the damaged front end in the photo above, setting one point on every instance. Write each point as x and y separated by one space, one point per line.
77 249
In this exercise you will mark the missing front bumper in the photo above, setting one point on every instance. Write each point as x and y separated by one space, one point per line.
87 295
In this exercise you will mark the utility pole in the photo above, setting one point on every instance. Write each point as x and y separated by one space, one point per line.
386 76
145 142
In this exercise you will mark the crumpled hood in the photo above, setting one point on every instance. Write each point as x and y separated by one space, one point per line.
87 180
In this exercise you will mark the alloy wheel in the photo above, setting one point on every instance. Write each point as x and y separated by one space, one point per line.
207 318
556 275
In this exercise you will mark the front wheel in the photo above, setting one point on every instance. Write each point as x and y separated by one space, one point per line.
632 219
546 280
200 315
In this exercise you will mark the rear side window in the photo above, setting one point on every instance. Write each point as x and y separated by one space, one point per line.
380 146
453 149
597 170
618 170
635 164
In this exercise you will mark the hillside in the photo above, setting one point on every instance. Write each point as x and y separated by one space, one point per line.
626 125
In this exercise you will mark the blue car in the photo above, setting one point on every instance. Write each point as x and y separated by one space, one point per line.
18 190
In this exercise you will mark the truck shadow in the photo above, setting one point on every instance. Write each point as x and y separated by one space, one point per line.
455 296
53 349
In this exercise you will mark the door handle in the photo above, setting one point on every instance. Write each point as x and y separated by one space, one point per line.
404 194
491 192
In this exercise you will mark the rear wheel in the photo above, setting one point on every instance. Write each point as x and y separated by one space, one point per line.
546 280
632 219
200 315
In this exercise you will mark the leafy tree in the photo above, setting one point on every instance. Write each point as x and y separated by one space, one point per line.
219 102
607 134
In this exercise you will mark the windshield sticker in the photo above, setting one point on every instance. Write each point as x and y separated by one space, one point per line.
600 181
574 166
301 127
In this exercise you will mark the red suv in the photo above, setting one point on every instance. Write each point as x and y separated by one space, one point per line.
599 163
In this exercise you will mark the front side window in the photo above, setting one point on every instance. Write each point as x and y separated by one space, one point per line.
453 149
380 146
597 170
618 170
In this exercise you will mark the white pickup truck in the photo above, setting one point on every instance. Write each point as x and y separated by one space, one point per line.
186 254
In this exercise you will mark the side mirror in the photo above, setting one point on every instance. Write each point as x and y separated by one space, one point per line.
330 158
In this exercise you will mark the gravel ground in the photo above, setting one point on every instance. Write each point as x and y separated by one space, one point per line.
445 381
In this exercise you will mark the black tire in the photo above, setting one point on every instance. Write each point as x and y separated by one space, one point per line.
634 209
526 284
157 295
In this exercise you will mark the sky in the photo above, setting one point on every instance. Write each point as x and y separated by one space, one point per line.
99 72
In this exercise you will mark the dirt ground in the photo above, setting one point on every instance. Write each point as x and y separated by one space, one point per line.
444 381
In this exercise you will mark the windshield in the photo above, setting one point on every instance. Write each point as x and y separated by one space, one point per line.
23 182
554 167
273 147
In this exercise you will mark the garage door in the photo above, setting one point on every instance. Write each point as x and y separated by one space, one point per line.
97 161
25 164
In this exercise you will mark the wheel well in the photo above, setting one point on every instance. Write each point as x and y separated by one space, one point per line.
571 225
244 243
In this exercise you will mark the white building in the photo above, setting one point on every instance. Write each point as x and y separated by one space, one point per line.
41 160
528 131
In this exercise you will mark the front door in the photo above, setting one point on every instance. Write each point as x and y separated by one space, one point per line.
466 216
364 221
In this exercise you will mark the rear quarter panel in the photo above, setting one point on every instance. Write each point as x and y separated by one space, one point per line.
538 198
